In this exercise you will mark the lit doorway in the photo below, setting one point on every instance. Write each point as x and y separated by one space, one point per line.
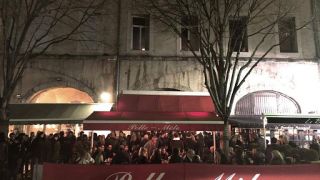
57 95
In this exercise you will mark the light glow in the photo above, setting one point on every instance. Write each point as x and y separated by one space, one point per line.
105 97
103 107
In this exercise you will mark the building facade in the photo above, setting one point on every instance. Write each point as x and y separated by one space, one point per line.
151 58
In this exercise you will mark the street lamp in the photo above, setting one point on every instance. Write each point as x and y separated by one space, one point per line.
105 97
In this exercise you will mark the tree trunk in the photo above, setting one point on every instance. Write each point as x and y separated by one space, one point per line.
226 138
4 121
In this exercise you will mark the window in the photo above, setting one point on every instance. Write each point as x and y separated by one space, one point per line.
189 33
238 34
140 33
288 35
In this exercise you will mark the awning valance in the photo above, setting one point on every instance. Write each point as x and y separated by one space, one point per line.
276 121
50 113
153 121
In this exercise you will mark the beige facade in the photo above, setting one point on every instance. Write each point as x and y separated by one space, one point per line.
91 67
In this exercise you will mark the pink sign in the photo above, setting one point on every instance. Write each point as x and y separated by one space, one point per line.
180 171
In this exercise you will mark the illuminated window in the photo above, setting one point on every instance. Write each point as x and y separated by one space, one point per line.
189 33
288 35
267 102
238 34
140 33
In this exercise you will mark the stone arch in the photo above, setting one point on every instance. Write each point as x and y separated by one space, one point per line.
59 83
267 102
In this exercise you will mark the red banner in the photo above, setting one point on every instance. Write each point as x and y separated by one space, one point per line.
180 171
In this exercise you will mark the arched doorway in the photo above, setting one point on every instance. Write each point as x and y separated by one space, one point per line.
56 95
250 107
60 95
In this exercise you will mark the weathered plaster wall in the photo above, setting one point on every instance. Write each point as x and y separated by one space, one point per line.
150 74
298 79
89 74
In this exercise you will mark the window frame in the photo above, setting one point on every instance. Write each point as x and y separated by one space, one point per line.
294 48
246 44
141 27
187 27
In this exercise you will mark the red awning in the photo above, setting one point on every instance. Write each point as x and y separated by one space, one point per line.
171 121
164 103
158 112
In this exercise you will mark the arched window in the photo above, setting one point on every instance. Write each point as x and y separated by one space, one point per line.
61 95
267 102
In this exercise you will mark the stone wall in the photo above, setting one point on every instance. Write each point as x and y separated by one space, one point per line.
297 79
92 75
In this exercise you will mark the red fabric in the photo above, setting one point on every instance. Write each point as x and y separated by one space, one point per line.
153 121
152 127
166 116
162 109
180 171
164 103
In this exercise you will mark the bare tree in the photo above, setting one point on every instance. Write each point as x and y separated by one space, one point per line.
29 28
216 32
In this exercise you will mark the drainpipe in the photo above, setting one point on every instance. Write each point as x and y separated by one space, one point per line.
118 63
315 22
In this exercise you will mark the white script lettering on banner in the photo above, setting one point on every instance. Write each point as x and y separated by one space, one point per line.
313 121
220 177
150 177
138 127
171 128
128 176
120 176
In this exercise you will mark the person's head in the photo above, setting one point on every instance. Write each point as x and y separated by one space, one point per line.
163 150
143 152
121 147
101 148
274 140
42 135
190 153
164 135
109 147
11 136
32 134
146 137
61 134
70 133
231 150
176 136
154 139
126 148
56 136
212 149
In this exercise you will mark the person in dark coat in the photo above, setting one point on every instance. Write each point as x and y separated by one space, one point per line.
175 157
155 157
191 157
176 142
3 156
143 156
38 148
13 156
121 156
55 149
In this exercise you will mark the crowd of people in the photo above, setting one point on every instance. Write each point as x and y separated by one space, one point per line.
19 152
